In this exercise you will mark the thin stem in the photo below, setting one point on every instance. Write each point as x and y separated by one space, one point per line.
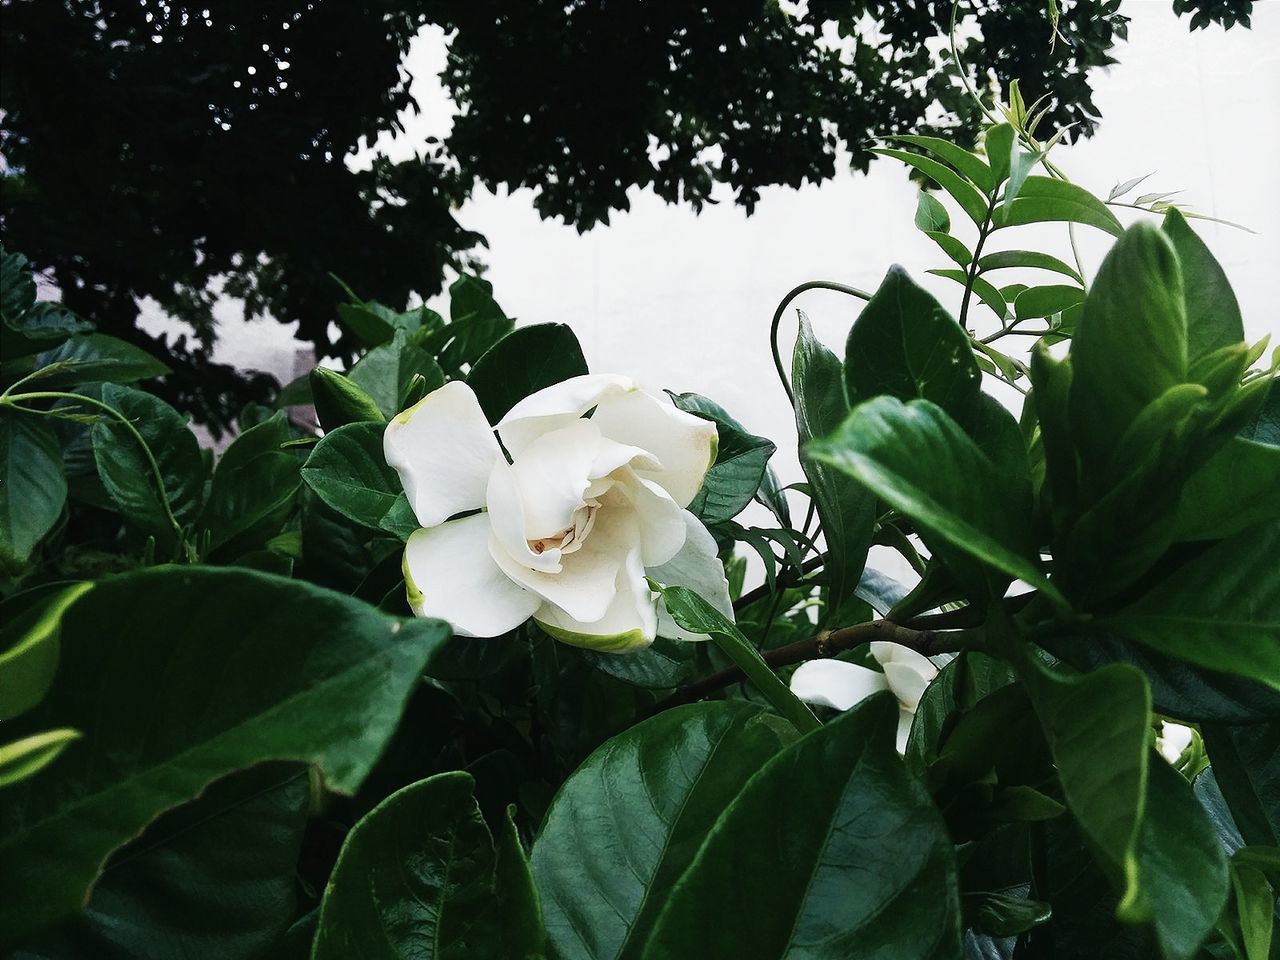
783 581
983 233
827 644
1075 252
1010 332
777 319
14 400
964 76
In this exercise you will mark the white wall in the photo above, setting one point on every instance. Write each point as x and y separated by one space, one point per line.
684 301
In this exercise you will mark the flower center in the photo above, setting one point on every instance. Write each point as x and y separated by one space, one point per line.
571 537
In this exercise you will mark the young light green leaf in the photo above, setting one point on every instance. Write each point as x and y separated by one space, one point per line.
27 756
262 668
1004 259
970 199
629 821
340 400
930 214
29 644
969 164
795 893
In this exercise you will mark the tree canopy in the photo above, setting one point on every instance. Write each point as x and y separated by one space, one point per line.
176 150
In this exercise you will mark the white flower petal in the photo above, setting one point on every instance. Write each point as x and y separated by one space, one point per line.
506 519
662 525
905 719
697 567
450 574
555 406
443 449
835 683
886 651
585 585
685 445
629 624
553 472
1174 738
906 682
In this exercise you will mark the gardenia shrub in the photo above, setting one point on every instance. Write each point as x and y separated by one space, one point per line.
474 673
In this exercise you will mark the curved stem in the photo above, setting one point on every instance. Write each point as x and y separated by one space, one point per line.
14 400
964 76
782 307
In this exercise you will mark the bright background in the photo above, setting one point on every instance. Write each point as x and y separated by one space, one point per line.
683 301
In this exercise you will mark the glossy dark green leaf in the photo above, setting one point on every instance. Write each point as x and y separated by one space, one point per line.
1104 714
1181 868
628 823
415 878
1237 489
951 246
846 509
93 357
40 327
739 468
126 473
1246 764
524 362
369 322
349 472
17 287
662 665
33 487
1002 915
1044 199
385 371
212 878
1213 315
339 400
1027 258
262 668
1221 611
1265 425
1131 346
524 934
789 863
255 485
958 688
970 199
905 344
919 461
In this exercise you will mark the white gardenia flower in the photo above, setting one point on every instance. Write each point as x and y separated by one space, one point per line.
1173 740
841 685
566 526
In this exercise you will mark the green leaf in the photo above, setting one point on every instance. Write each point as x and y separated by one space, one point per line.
697 616
1021 163
957 689
127 474
1256 910
846 509
255 486
739 468
629 821
415 878
524 362
29 646
970 199
906 345
1104 714
340 400
523 933
1221 611
368 322
1131 345
970 164
17 287
1246 764
1213 315
1001 915
931 216
951 246
986 291
384 373
94 357
999 146
1182 870
262 668
799 887
1237 489
919 461
33 487
1044 199
1046 301
27 756
1005 259
663 665
348 471
212 878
